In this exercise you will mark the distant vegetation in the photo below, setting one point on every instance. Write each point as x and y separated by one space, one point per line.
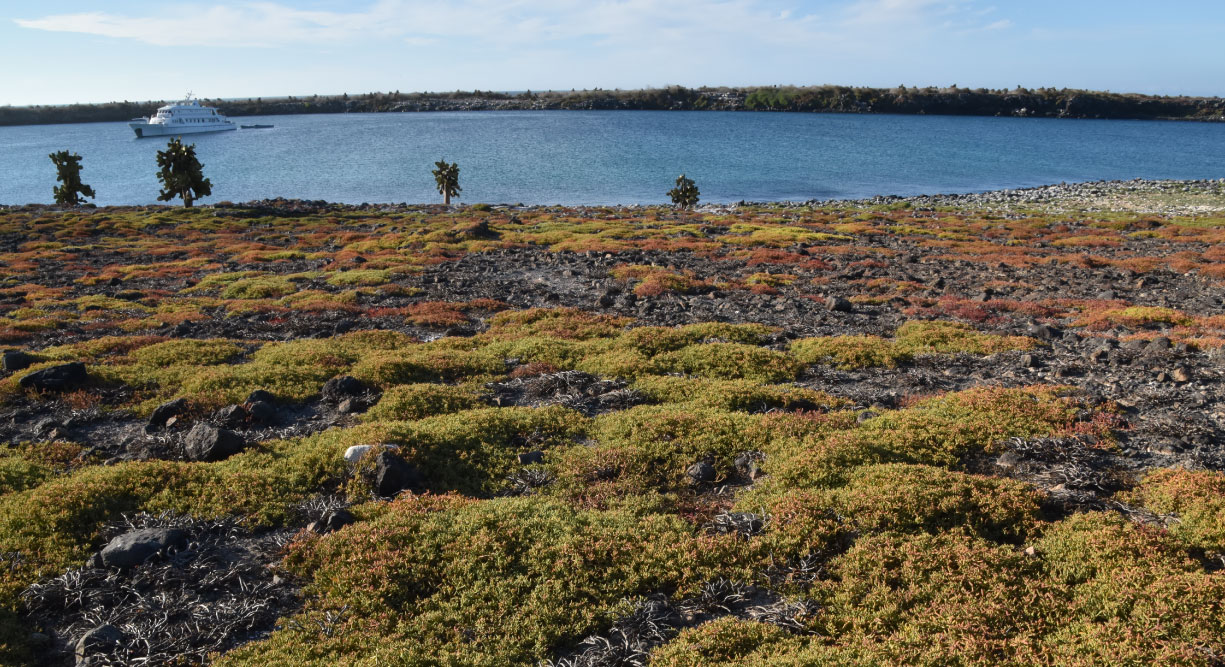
952 100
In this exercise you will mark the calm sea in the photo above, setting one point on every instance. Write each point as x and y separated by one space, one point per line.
618 157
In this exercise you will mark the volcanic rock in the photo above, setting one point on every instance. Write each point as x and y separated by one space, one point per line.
332 521
206 442
163 413
231 416
98 640
15 360
262 412
339 388
838 304
64 377
260 396
393 474
701 472
131 549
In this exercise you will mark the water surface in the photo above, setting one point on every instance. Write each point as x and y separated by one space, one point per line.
617 157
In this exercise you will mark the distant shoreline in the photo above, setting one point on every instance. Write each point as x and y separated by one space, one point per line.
1183 197
1019 102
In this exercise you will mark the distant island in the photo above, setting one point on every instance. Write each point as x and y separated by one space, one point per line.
952 100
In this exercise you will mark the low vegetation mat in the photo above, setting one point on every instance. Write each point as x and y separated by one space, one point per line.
306 434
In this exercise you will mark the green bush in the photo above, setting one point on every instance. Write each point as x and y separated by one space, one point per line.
736 395
417 401
447 580
896 497
913 339
1197 498
728 361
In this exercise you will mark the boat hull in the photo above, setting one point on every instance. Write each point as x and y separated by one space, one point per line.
143 130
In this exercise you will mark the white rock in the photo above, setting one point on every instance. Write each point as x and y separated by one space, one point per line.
354 453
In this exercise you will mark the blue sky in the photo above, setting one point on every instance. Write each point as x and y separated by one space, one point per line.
90 51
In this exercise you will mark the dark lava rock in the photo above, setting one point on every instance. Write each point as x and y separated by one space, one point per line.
332 521
132 549
64 377
701 472
393 474
164 412
262 412
748 464
15 360
838 304
48 427
260 396
531 457
339 388
206 442
1042 332
98 640
1159 344
231 416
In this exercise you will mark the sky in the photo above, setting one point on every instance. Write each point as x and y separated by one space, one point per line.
90 51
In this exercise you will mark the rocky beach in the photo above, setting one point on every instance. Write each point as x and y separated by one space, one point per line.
983 428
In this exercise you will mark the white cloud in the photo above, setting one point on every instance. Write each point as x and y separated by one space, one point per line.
625 22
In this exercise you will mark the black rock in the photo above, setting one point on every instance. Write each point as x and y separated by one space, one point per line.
261 396
332 520
231 416
1158 344
15 360
45 427
838 304
701 472
262 412
163 413
393 474
98 640
1042 332
531 457
747 464
64 377
132 549
206 442
339 388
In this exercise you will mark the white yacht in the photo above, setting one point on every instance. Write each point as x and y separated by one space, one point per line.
186 117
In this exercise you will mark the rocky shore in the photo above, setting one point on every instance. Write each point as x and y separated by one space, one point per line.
285 430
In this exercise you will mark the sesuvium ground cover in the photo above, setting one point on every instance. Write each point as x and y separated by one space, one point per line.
611 483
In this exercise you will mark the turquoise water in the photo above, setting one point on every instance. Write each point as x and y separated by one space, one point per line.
617 157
